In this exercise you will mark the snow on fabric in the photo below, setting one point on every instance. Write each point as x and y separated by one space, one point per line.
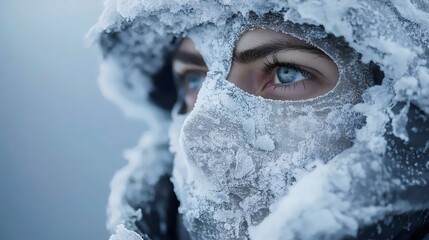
346 186
122 233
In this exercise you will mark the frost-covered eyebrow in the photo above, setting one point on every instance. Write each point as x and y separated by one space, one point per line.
253 54
189 58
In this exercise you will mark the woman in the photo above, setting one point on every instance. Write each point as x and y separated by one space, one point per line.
283 141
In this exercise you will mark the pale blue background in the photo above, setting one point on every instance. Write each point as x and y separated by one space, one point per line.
60 140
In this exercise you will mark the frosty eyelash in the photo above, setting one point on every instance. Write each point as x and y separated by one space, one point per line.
270 66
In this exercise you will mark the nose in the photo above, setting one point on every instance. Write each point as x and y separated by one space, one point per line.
247 80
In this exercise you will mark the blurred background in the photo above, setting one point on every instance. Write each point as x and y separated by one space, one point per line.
60 140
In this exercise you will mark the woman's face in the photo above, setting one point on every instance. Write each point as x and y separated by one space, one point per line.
266 63
237 154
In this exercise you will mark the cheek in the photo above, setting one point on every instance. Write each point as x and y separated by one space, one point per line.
190 99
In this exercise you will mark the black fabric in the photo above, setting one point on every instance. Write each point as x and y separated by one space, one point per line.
406 160
377 73
160 215
164 92
408 226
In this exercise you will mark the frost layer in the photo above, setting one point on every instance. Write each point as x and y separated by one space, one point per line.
267 194
123 233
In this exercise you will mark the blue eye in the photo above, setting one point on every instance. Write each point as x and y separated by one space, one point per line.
288 75
194 80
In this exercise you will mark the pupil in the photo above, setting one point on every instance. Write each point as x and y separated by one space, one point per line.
285 75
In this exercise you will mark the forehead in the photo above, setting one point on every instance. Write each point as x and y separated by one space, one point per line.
257 37
187 46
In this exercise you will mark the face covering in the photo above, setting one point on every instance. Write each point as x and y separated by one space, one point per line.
369 181
240 153
180 167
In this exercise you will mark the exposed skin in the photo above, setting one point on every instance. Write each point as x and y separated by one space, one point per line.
321 73
266 63
188 60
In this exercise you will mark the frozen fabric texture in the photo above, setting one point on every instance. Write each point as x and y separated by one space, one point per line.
133 188
383 171
244 152
122 233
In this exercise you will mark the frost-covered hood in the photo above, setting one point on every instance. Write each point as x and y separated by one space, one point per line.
385 172
137 36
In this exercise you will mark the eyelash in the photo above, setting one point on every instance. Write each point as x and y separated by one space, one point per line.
270 66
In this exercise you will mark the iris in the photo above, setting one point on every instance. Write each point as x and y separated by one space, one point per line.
288 75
